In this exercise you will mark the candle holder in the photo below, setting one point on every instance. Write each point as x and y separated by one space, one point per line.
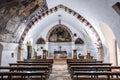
75 54
44 54
29 49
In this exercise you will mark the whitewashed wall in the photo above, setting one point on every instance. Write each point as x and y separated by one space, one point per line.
9 48
82 49
66 46
39 50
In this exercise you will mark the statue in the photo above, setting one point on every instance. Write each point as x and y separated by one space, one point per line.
29 49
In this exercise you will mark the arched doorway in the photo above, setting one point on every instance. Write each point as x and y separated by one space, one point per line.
40 46
80 46
60 42
1 48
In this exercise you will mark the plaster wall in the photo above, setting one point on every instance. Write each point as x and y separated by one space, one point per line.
8 50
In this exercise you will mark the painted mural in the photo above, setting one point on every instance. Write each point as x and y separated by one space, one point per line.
40 41
60 34
79 41
15 12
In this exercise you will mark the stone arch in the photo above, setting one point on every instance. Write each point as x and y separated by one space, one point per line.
70 11
111 43
56 26
1 48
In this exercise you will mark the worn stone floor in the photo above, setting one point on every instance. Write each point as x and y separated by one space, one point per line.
59 72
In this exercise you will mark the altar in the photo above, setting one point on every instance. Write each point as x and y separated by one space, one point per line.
60 54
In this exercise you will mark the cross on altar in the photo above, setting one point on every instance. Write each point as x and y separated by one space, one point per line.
60 48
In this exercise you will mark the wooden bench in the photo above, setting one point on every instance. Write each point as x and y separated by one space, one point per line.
36 61
41 75
32 64
77 74
26 68
93 68
83 61
88 64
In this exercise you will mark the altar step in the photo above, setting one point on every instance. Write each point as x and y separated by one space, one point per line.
60 61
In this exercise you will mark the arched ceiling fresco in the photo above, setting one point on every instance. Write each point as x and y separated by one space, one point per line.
15 12
59 34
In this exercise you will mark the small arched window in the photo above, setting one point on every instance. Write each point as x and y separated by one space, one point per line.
79 41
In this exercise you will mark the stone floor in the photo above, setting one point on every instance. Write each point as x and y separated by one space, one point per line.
59 72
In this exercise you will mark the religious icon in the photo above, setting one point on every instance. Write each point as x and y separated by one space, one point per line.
60 34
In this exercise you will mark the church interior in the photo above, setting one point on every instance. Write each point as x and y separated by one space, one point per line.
59 40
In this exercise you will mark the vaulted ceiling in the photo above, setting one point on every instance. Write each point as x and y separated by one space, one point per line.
15 12
16 15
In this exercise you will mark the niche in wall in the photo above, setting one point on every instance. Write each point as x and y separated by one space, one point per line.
12 55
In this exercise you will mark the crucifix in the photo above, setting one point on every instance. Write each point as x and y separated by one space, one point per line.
59 21
60 48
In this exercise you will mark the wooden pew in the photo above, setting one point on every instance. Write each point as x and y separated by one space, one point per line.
77 74
88 64
32 64
41 75
94 68
90 67
83 61
26 68
36 61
